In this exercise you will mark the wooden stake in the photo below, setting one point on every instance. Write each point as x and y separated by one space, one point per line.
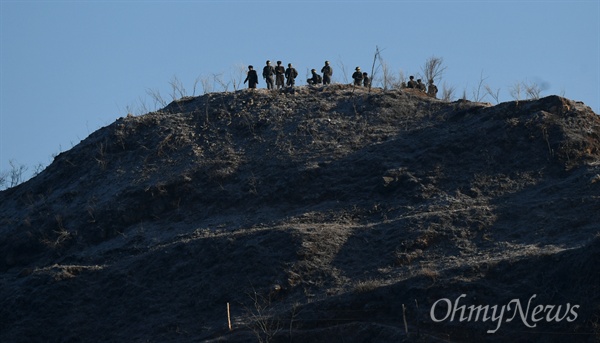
404 318
229 317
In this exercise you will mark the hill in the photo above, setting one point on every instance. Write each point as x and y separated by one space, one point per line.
325 215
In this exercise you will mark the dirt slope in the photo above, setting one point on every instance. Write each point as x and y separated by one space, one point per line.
326 215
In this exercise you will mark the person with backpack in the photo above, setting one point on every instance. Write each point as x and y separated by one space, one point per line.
315 79
267 74
327 72
279 75
290 74
252 77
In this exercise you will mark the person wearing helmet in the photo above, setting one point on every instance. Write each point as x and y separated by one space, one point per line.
315 79
358 77
327 72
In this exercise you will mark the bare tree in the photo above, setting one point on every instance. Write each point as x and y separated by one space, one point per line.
218 79
495 94
375 68
389 81
177 88
3 179
264 322
155 95
238 75
532 89
515 91
448 92
343 70
14 176
195 85
207 86
433 69
478 94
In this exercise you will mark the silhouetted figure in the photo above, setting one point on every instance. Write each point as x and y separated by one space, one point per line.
268 72
279 75
290 75
252 77
411 83
421 86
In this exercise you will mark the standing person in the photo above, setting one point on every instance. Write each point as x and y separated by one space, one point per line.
327 72
268 72
357 76
290 75
432 90
279 75
411 83
252 77
366 80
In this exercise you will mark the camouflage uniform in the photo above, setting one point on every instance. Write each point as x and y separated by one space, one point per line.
327 72
432 90
315 79
411 83
358 77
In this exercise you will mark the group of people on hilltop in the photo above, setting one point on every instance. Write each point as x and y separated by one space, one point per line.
269 72
275 76
361 78
419 85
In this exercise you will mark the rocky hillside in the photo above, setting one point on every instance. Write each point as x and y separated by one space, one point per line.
325 215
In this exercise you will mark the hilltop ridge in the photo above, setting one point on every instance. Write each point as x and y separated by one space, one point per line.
317 215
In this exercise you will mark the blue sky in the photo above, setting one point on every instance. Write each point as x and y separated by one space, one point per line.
68 68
